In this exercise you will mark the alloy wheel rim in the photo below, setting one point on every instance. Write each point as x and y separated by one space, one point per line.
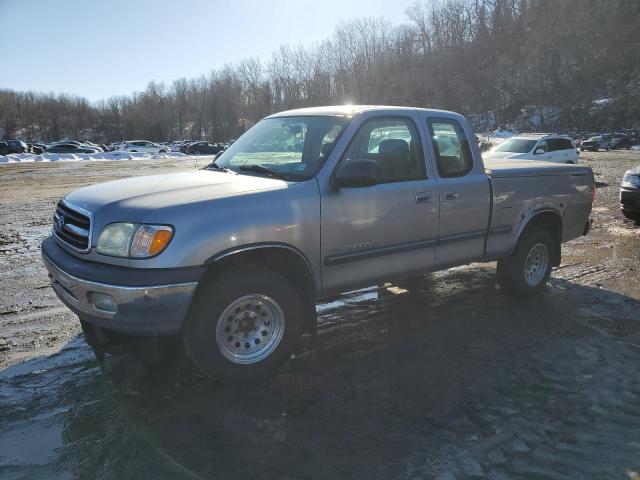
536 264
250 329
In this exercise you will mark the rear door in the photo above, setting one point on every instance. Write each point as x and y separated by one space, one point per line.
566 151
464 193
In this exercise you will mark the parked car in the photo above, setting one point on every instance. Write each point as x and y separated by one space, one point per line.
72 148
9 147
142 146
234 257
37 148
630 194
66 142
175 146
203 148
597 143
620 141
550 148
184 145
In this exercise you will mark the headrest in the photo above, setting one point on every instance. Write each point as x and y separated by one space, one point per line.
394 147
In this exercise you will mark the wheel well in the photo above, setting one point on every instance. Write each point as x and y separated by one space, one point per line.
287 263
552 223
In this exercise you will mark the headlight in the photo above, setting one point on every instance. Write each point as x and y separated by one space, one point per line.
133 240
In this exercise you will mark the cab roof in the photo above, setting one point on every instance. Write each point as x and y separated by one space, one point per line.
351 110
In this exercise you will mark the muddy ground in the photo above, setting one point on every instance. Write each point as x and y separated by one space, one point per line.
444 379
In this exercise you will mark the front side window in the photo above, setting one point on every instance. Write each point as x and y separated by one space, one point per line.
543 145
453 153
290 146
394 144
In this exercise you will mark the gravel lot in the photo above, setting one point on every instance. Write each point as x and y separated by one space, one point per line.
444 379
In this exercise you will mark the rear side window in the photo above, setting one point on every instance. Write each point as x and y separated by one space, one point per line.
559 144
451 146
566 144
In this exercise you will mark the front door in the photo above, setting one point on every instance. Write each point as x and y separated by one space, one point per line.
377 232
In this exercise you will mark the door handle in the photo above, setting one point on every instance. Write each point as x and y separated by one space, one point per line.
423 197
452 196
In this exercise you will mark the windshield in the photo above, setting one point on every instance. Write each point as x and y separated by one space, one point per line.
290 146
516 145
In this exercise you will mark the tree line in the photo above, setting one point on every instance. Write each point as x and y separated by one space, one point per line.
495 58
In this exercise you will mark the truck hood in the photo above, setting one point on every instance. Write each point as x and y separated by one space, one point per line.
139 196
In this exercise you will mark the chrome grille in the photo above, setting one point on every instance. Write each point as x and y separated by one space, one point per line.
72 226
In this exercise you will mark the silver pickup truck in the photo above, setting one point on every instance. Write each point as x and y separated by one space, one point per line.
306 204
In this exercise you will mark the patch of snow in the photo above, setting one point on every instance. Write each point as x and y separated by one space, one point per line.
602 102
635 147
84 157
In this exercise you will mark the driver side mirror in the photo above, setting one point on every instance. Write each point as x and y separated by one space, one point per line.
539 151
356 173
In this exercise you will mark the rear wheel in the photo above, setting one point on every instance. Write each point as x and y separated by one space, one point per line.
244 324
526 271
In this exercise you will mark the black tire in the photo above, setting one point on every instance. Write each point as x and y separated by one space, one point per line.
162 151
635 216
511 270
218 293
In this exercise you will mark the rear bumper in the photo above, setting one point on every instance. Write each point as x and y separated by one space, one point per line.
157 306
630 199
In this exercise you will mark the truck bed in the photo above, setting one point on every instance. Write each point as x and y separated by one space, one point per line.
521 188
529 168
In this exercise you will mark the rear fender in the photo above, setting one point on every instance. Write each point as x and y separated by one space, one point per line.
548 219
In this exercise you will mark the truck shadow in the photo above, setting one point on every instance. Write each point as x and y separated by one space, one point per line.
400 382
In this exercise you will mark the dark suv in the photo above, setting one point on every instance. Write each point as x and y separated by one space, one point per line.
620 141
203 148
13 146
630 194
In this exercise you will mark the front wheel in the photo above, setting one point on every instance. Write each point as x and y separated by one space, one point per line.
244 324
526 271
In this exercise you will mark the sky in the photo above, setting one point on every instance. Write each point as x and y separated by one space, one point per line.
100 48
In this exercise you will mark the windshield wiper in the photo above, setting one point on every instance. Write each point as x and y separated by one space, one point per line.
260 169
218 167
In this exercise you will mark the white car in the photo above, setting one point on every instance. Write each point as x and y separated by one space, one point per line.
549 148
144 146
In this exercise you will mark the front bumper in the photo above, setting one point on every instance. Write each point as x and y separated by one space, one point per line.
146 301
630 199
